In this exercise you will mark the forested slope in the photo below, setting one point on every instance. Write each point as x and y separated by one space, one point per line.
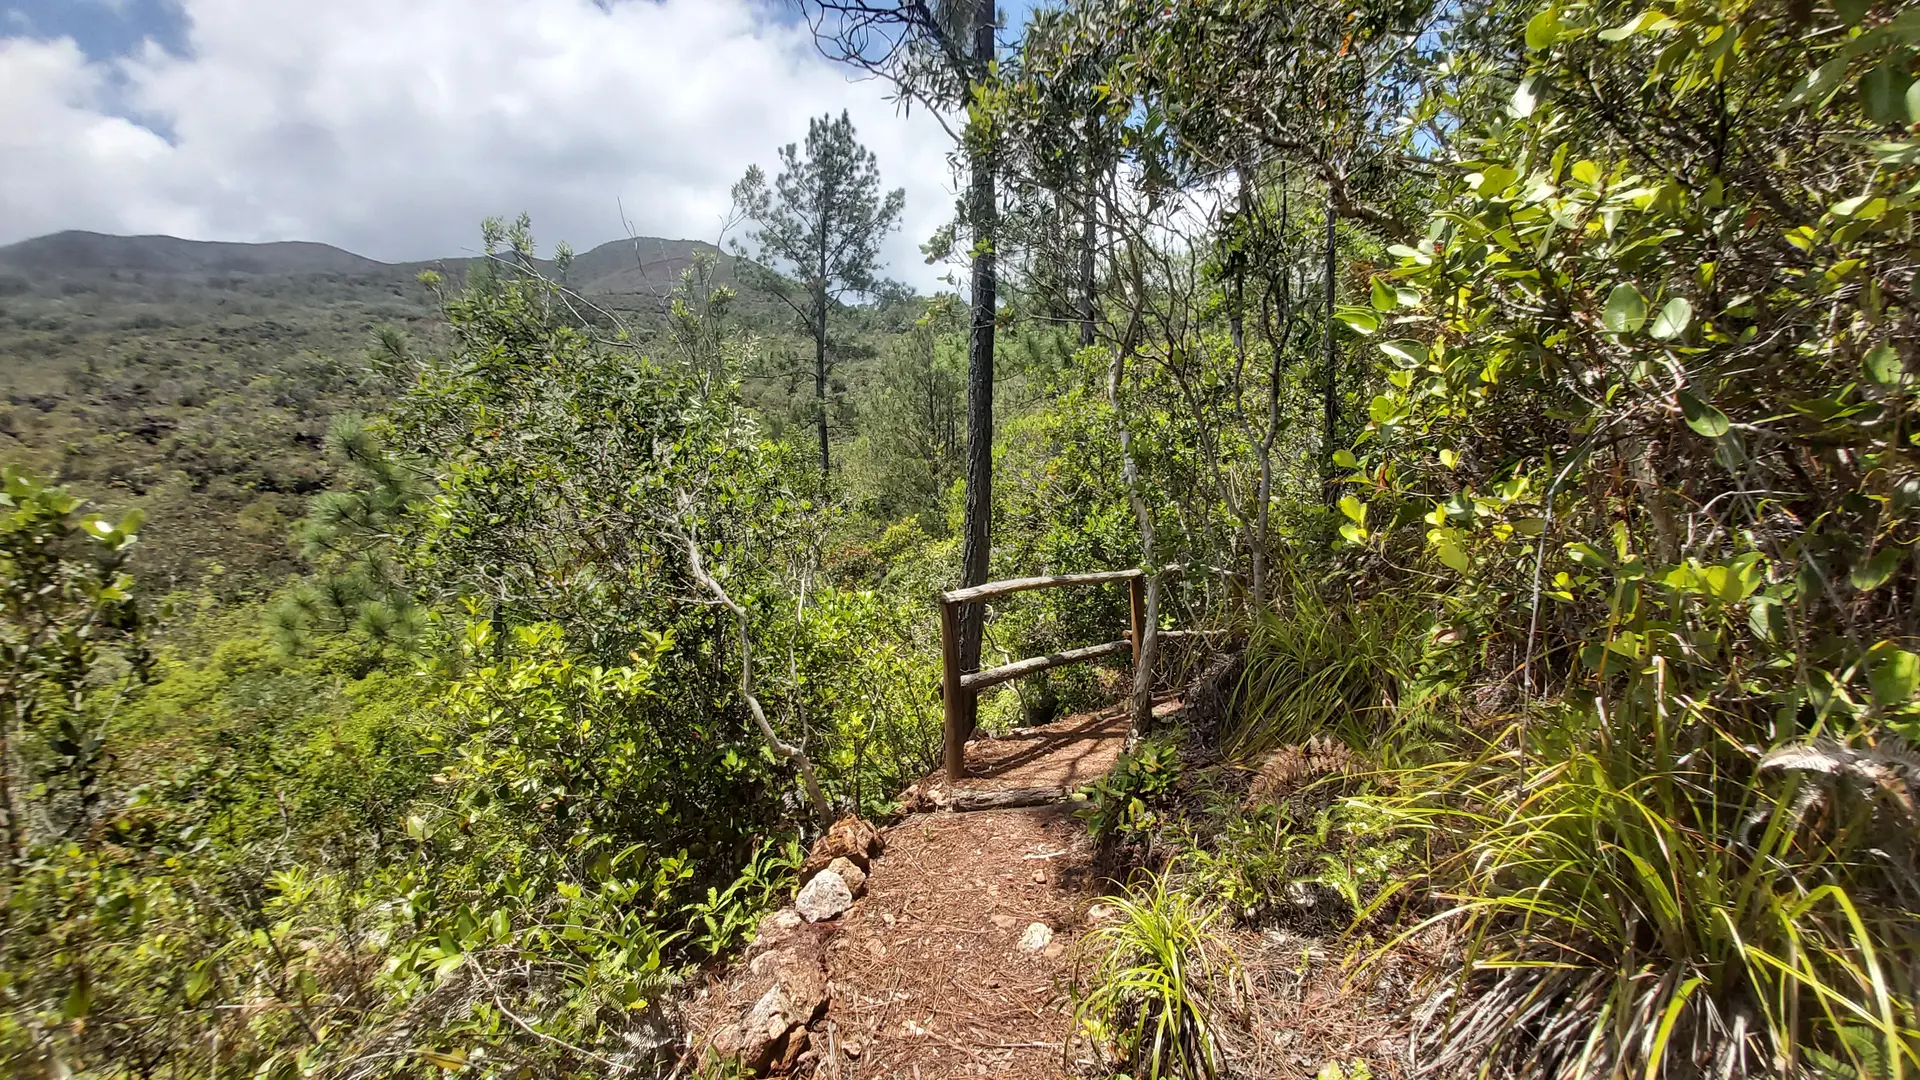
195 380
1517 398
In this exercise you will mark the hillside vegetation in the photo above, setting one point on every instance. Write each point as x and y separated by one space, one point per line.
1518 396
195 380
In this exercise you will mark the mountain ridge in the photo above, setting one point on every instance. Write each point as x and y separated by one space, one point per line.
625 265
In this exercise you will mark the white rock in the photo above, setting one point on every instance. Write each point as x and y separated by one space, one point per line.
825 897
769 1019
1037 936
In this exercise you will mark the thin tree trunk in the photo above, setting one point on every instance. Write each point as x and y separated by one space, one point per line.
1237 325
1276 360
783 750
977 521
1142 723
1142 720
1329 389
1088 237
14 836
820 376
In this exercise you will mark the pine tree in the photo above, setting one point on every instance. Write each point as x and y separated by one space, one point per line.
820 229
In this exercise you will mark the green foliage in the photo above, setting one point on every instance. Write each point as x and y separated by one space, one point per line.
1258 860
504 784
908 450
1682 904
231 896
1119 805
347 537
70 633
1349 667
553 762
858 664
1688 557
721 921
1158 985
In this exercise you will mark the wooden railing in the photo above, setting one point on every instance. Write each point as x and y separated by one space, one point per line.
961 689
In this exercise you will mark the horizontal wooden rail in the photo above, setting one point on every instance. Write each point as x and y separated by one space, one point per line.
1178 635
1001 588
961 689
980 680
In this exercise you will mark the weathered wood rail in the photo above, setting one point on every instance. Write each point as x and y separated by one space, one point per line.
961 689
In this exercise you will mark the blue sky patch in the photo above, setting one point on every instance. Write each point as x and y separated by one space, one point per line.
102 28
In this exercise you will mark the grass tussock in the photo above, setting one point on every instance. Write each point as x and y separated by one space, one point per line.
1643 894
1158 983
1315 666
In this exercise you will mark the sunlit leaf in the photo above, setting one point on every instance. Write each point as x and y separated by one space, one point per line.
1543 29
1674 316
1384 298
1895 676
1883 366
1875 571
1358 319
1703 417
1626 309
1407 352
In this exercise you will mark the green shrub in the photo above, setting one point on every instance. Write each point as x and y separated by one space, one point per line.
1120 804
1256 860
1316 665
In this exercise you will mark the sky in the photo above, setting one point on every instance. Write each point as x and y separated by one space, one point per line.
392 127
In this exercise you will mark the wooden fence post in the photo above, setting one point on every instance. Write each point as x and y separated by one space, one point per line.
961 700
957 714
1137 594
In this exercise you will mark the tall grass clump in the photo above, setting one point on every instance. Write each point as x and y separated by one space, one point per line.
1644 894
1315 665
1158 978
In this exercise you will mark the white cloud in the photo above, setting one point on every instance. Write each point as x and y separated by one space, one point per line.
390 128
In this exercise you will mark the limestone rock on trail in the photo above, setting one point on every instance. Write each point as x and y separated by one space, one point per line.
786 980
825 897
855 877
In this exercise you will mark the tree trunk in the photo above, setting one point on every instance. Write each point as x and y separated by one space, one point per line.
820 375
1147 621
1088 235
1329 390
1237 328
13 836
977 522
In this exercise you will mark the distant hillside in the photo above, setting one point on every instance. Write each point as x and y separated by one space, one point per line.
196 379
80 252
642 266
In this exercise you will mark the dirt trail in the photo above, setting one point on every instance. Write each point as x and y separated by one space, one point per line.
928 974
